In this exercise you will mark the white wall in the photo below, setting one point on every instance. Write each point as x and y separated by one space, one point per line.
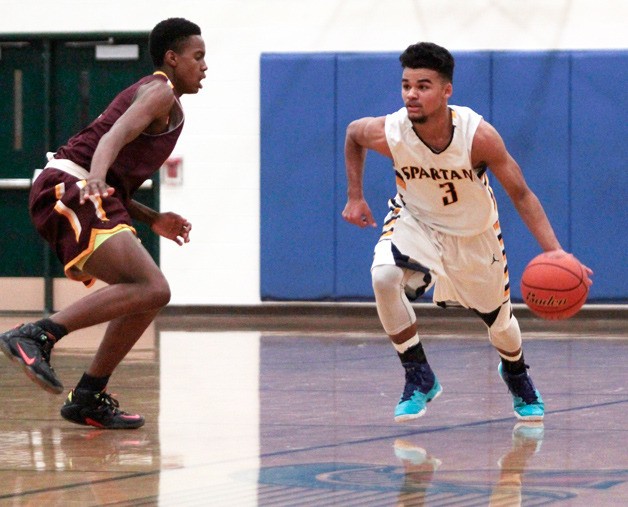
220 143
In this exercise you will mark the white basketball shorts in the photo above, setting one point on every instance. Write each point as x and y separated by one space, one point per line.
465 271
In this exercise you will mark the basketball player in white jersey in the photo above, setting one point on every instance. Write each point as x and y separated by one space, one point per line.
442 229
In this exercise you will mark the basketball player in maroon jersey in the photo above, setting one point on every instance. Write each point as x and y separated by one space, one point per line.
82 204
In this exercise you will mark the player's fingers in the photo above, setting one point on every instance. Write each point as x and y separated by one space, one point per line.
352 219
589 272
95 188
367 219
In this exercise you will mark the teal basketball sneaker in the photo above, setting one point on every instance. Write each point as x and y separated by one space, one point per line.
421 387
527 402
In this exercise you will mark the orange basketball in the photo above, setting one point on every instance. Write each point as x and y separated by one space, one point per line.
554 287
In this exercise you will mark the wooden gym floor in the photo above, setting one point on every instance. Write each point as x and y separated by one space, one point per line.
293 407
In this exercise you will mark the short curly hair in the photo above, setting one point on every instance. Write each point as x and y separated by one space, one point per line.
169 34
427 55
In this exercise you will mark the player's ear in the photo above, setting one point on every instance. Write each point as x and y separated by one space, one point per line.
449 89
170 58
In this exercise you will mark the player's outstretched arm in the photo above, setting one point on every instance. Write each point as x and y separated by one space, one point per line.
489 149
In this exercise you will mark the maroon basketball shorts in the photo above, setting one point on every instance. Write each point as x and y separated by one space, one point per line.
74 230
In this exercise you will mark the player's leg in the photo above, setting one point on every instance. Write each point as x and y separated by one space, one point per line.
400 269
89 403
505 335
135 284
120 337
399 321
489 297
138 282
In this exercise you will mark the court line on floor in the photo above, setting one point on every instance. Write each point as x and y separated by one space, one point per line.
410 432
75 485
437 429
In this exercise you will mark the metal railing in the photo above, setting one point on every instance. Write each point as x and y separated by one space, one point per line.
15 183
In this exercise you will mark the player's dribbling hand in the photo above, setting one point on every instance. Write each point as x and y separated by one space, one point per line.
587 270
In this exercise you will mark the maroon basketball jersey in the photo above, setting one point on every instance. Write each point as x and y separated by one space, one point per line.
138 160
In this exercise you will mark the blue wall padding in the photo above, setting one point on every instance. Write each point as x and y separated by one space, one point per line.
297 176
531 112
366 85
472 82
562 116
599 168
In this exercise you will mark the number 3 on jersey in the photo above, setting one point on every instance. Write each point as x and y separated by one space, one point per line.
450 196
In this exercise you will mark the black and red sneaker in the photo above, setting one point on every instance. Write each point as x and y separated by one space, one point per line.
99 409
30 346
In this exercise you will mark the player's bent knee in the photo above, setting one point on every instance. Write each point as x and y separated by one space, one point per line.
394 309
162 297
506 337
386 280
157 293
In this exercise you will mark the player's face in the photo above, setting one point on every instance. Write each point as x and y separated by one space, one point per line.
190 66
424 93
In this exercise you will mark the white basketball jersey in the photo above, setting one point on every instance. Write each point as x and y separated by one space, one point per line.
442 190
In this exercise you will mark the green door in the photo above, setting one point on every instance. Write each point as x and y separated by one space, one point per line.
22 146
22 107
85 78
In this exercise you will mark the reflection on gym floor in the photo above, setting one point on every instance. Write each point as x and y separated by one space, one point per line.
256 418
